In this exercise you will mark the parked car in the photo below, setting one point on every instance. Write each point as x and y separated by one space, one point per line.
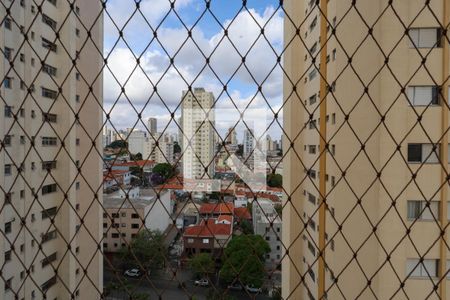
252 289
133 273
202 282
235 286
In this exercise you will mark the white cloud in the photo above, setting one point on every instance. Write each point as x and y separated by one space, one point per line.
189 61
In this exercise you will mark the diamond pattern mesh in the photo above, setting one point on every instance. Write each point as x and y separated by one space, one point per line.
121 119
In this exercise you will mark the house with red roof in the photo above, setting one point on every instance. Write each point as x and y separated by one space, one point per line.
210 236
214 210
242 213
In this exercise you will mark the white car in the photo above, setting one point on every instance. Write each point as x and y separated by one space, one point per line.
133 273
201 282
252 289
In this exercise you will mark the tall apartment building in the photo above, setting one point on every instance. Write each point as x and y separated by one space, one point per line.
50 220
198 120
159 148
385 193
267 223
249 143
153 125
137 141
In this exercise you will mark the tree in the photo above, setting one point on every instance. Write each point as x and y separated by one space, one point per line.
165 170
118 144
176 148
246 227
240 150
275 180
243 260
137 156
202 264
146 250
279 209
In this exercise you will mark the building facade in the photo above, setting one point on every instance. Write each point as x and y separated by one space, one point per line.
47 205
152 125
198 120
123 218
385 196
267 223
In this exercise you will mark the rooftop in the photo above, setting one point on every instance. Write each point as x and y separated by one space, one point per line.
117 200
217 208
208 228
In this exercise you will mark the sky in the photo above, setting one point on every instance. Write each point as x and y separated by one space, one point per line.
172 41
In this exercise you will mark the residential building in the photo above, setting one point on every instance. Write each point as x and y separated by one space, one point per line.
136 142
267 223
107 136
160 148
115 178
124 217
231 137
386 69
198 121
42 232
210 236
214 210
249 143
152 125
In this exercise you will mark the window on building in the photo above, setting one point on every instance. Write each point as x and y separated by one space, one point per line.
313 99
312 149
418 209
7 140
8 284
49 141
8 53
48 45
7 23
7 255
7 82
205 241
48 260
424 95
49 283
425 37
8 169
311 198
49 165
49 188
423 153
8 111
48 117
427 268
51 235
48 213
313 24
50 70
134 226
8 227
49 21
48 93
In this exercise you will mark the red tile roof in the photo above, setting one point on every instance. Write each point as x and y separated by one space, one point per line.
242 213
208 229
228 218
217 208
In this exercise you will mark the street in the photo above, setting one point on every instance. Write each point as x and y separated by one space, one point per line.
164 286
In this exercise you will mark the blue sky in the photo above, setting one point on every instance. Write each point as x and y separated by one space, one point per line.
189 63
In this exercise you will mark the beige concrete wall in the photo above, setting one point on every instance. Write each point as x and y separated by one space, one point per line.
365 111
74 204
